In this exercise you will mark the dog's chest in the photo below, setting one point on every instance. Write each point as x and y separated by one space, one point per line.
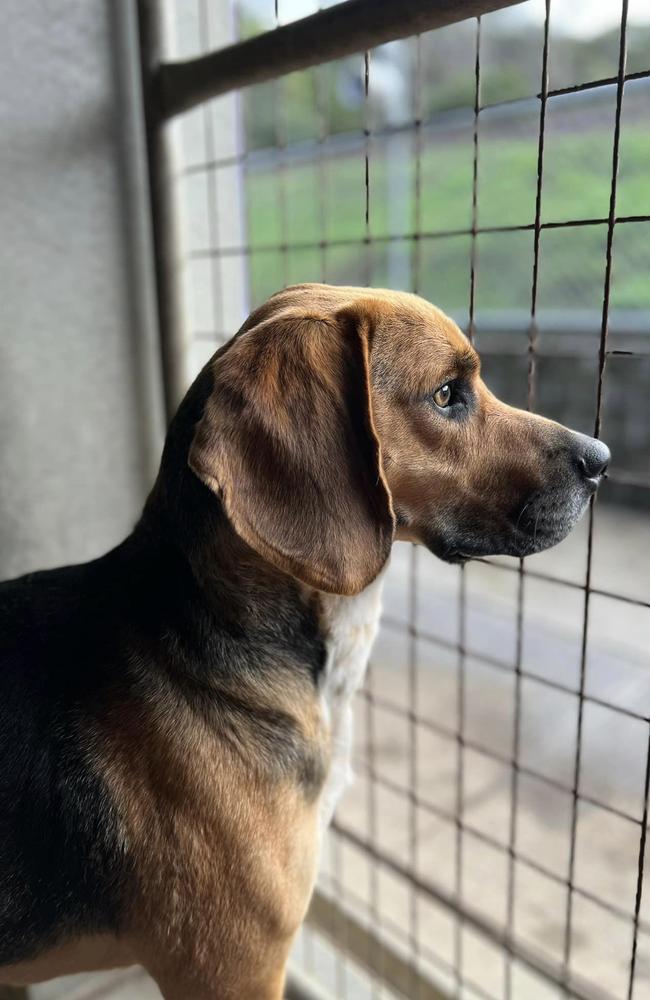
350 625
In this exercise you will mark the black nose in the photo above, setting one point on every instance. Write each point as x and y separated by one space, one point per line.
593 458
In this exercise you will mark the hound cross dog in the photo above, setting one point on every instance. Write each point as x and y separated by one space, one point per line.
175 716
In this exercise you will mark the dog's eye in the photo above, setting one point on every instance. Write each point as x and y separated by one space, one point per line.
442 396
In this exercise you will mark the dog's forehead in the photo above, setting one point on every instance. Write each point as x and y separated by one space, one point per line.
409 321
418 339
406 314
408 331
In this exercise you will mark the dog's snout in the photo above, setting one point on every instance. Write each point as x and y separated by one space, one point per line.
593 457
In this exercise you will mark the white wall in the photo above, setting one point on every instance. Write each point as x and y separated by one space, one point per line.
209 202
80 410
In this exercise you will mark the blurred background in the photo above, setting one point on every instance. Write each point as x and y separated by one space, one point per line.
492 845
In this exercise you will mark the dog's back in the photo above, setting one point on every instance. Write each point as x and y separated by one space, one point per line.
51 884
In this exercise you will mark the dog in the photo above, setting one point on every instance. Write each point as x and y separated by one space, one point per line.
175 715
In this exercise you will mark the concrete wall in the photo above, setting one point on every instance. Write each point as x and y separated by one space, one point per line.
80 404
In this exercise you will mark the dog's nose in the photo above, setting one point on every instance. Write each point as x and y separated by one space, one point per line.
593 458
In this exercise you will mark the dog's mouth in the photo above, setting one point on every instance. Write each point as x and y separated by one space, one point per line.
547 518
543 520
518 546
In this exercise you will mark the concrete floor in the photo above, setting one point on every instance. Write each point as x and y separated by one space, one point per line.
614 750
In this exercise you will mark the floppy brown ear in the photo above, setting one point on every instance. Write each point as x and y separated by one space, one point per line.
287 442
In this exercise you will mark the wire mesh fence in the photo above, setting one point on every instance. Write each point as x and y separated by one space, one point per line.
494 841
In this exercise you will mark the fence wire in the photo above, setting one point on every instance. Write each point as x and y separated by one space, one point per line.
494 842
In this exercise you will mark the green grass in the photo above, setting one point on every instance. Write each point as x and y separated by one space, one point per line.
330 204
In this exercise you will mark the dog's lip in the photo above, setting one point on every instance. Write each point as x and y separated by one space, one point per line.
449 553
460 556
509 541
593 482
518 546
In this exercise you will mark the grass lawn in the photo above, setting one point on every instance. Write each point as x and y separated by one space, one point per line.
310 203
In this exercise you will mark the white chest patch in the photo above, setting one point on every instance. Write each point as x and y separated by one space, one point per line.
350 625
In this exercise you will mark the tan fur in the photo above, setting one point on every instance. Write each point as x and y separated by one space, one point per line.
316 439
304 431
88 954
225 855
405 348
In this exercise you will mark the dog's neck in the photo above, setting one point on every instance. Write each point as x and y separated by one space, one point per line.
325 639
349 625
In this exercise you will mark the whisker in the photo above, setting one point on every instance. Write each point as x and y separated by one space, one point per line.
521 513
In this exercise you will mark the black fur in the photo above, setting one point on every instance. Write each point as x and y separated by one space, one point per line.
61 866
76 641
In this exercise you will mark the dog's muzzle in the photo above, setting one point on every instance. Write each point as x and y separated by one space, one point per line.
541 518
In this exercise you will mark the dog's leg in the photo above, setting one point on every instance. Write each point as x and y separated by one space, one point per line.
263 982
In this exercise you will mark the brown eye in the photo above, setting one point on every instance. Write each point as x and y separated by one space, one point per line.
442 396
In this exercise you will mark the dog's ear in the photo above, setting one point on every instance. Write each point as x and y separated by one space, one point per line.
287 442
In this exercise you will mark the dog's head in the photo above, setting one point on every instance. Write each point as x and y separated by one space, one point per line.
341 418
